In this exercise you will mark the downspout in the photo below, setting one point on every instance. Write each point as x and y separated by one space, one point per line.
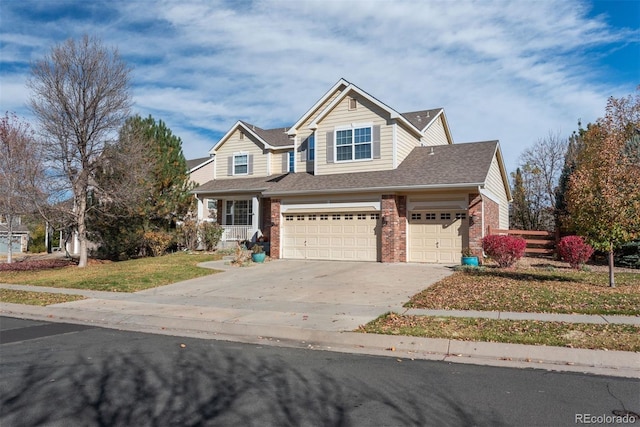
482 217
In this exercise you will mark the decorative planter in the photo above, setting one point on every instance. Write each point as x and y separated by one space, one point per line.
470 260
258 257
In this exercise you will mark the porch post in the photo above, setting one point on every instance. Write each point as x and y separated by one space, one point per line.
200 209
255 217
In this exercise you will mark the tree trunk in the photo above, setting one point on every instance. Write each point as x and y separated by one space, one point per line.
612 282
82 226
9 239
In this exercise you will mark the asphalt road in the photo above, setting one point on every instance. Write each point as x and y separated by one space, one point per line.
70 375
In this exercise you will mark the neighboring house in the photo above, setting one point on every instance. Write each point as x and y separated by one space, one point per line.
201 171
353 179
20 236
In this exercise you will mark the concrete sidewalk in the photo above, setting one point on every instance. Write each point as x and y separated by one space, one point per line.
317 305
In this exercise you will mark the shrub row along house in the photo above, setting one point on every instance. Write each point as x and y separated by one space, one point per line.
353 179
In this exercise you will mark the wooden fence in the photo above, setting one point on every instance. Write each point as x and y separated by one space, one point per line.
538 242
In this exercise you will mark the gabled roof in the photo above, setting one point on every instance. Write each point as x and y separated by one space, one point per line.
393 114
195 164
269 138
443 166
294 129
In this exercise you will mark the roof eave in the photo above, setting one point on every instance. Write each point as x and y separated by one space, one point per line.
470 185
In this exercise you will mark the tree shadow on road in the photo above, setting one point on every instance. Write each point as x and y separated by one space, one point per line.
197 387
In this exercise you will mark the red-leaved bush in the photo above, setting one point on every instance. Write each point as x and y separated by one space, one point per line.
43 264
505 250
575 251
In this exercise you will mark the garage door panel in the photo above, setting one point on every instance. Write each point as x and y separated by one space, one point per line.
339 237
438 239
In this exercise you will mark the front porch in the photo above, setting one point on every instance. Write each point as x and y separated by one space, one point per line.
242 218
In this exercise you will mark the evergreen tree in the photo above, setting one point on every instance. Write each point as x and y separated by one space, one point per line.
148 164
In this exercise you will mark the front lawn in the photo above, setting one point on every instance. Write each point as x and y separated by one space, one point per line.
36 298
533 291
124 276
590 336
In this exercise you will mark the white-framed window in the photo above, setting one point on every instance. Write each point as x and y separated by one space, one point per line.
461 215
416 216
300 217
446 215
239 212
240 164
375 216
312 217
348 217
324 217
362 216
335 217
311 148
430 215
353 144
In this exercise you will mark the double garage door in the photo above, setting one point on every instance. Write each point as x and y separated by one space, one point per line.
351 236
437 237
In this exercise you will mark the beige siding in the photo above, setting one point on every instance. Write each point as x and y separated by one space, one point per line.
435 134
203 174
277 162
247 145
304 132
406 141
496 186
365 113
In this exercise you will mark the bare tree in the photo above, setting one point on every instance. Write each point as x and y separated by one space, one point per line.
21 173
80 95
537 179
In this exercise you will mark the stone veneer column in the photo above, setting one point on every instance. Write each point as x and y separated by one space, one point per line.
394 228
275 229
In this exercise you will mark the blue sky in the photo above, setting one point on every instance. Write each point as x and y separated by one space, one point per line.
513 71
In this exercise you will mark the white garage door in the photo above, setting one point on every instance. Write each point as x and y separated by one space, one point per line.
350 236
437 237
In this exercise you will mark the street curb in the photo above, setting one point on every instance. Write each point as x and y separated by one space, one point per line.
614 363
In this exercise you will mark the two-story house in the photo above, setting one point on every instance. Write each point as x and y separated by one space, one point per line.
353 179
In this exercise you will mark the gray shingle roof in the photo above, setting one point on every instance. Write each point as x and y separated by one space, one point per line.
421 118
239 185
196 162
449 165
276 137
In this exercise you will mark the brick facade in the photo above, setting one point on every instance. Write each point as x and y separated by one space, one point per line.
274 232
475 224
393 233
481 211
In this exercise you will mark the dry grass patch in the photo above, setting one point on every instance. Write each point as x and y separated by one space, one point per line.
36 298
589 336
533 291
125 276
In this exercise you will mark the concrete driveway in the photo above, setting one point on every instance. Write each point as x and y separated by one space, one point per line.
322 295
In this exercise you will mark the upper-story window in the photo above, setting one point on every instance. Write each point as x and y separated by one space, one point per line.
292 161
311 148
240 164
353 144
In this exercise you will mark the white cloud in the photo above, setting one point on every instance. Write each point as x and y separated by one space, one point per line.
502 70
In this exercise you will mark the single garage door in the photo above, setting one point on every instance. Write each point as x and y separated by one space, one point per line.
437 237
350 236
